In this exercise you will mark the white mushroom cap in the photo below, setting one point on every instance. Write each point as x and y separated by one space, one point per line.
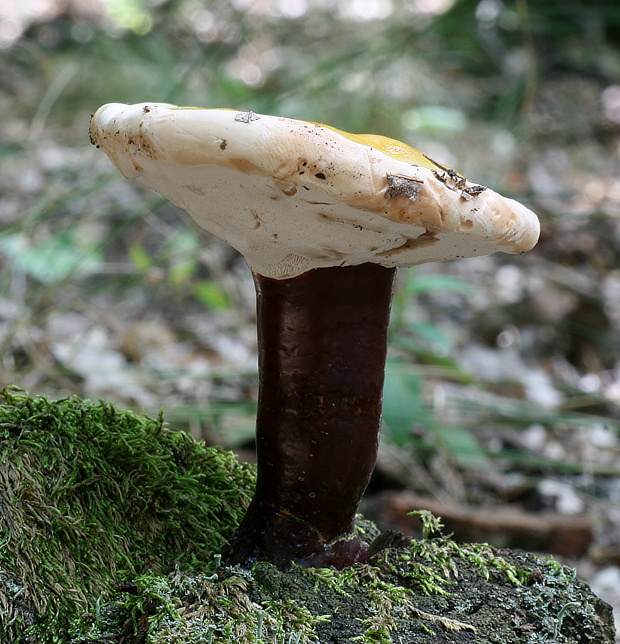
292 195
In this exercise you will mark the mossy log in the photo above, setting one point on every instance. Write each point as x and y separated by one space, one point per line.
112 525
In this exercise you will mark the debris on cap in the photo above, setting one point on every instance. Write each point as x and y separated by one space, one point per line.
293 195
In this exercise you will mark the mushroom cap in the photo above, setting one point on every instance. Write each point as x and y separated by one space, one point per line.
292 195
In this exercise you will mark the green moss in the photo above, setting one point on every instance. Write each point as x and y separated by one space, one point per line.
91 496
112 525
436 558
368 604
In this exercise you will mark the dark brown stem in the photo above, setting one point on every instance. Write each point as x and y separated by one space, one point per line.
322 340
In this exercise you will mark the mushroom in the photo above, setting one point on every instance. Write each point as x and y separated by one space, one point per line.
323 218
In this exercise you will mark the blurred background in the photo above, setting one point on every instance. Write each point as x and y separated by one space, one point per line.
502 398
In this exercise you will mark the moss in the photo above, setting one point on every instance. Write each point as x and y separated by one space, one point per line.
91 496
483 596
366 603
113 524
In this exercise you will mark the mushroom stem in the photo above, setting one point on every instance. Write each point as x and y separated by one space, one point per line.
322 342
